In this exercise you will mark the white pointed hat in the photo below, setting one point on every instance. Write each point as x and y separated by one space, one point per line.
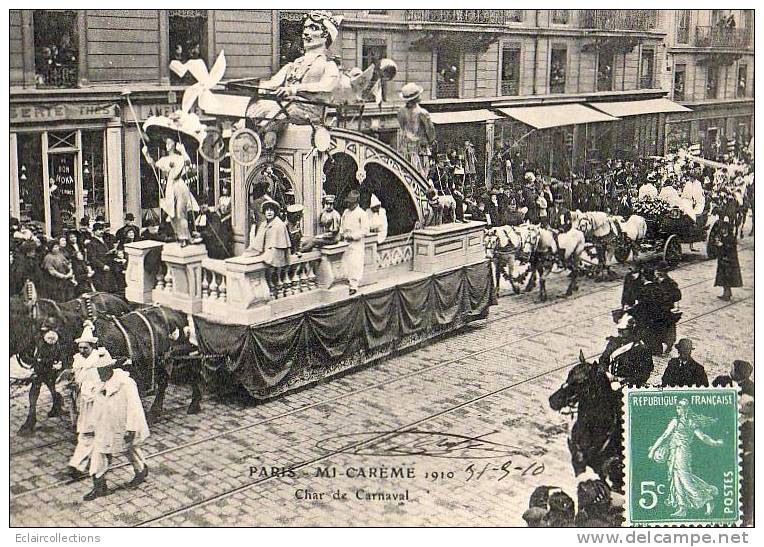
104 358
374 201
87 334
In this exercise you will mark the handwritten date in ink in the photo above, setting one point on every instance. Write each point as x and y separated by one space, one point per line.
491 471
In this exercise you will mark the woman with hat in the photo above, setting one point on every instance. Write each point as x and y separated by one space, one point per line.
377 218
58 278
417 129
727 265
178 200
271 240
353 228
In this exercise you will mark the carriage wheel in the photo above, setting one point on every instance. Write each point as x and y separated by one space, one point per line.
672 251
622 250
588 260
712 251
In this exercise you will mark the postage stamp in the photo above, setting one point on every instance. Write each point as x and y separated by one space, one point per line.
682 456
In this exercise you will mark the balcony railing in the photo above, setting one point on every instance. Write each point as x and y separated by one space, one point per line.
61 76
723 37
615 19
461 16
447 90
510 87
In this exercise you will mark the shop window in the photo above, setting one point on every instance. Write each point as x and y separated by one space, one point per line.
510 71
31 193
149 183
647 68
448 74
93 179
188 37
558 69
683 26
56 43
677 136
680 74
515 15
62 186
290 37
742 81
605 61
712 82
373 51
560 16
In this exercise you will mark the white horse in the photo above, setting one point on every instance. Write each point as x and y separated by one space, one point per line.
503 244
600 229
546 248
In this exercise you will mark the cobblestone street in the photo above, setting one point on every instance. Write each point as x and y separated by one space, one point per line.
491 380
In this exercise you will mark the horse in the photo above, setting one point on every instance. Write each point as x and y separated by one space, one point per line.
147 339
502 244
632 232
601 230
545 248
595 438
26 319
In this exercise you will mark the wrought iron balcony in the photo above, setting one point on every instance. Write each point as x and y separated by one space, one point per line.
57 76
463 16
723 37
616 19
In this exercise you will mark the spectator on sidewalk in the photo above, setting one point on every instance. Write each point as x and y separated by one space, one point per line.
684 371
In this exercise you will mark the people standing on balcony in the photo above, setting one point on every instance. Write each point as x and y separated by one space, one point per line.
353 229
417 129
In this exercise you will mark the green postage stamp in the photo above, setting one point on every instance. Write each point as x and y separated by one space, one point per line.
682 456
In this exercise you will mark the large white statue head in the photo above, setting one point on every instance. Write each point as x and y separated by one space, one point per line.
319 29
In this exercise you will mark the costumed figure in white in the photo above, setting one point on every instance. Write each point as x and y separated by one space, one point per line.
353 228
119 424
674 447
377 219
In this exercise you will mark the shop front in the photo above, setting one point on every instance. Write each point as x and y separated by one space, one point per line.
711 130
65 163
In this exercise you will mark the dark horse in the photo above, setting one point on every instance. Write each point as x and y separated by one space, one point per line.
148 339
26 319
595 438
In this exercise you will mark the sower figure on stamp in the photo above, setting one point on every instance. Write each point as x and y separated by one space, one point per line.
119 426
314 76
674 447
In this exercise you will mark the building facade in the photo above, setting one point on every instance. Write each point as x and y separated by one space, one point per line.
559 89
711 58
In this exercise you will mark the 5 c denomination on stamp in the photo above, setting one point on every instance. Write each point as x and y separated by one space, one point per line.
682 456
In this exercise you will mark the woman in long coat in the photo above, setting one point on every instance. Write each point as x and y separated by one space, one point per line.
727 266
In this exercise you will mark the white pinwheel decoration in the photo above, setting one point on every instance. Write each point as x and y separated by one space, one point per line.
205 81
216 104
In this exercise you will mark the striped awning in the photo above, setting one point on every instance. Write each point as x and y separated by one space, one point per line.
556 115
463 116
623 109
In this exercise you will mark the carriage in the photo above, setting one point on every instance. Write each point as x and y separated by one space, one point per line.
667 229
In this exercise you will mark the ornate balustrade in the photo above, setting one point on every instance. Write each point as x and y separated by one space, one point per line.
723 37
245 290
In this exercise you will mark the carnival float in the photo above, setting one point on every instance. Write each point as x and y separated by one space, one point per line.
274 326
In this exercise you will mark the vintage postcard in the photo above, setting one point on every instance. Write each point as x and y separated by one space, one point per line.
298 266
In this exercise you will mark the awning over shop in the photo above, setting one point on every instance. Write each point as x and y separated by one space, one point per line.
463 116
555 115
622 109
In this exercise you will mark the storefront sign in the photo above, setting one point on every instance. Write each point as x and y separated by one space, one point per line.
48 113
145 111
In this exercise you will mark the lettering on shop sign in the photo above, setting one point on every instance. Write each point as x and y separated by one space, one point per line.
145 111
40 113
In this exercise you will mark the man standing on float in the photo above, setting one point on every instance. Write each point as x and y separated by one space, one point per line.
314 76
